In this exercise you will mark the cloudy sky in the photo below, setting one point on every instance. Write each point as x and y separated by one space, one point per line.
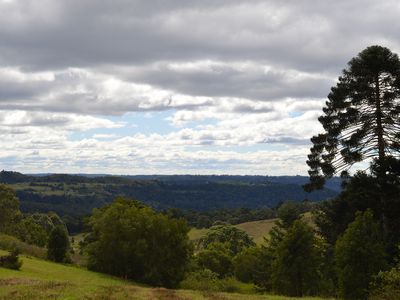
162 87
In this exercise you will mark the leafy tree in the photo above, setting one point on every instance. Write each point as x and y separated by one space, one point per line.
36 228
361 118
131 240
58 245
249 265
289 212
9 207
30 232
295 268
236 239
217 257
359 254
386 285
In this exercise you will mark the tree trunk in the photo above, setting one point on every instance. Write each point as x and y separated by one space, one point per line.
381 155
379 127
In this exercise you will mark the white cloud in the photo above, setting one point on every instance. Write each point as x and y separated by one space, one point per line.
239 84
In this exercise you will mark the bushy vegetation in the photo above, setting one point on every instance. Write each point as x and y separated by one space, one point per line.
201 199
386 285
11 261
8 242
359 255
131 240
58 245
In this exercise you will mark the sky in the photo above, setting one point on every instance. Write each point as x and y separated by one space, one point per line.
175 87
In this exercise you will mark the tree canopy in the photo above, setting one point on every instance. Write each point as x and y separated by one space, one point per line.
9 206
361 117
359 255
131 240
236 239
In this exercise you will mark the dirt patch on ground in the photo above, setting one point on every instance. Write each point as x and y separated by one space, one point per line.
165 294
214 296
18 281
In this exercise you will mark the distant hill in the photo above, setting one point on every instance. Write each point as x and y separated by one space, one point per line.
77 195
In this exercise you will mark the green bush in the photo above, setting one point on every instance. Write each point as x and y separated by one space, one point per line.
386 285
58 245
217 258
207 280
133 241
359 255
202 280
11 261
9 243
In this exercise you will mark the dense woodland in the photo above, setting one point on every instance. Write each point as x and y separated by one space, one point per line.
199 197
349 249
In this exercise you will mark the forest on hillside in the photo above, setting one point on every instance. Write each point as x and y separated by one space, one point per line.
74 196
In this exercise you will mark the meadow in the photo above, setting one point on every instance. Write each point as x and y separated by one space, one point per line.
40 279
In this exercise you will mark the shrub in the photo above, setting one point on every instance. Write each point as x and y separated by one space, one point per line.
359 255
202 280
217 258
133 241
9 243
207 280
58 245
11 261
386 285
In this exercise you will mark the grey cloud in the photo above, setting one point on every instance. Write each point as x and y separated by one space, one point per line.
309 36
286 140
227 81
301 34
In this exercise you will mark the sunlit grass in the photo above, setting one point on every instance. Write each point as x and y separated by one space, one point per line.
40 279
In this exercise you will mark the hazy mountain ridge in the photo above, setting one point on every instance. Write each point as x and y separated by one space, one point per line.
77 195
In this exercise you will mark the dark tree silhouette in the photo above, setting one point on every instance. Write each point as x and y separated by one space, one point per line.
58 245
361 118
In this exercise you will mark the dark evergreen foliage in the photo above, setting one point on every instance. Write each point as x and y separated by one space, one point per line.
58 245
359 255
11 261
9 207
361 117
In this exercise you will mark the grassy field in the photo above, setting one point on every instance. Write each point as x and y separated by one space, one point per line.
40 279
256 229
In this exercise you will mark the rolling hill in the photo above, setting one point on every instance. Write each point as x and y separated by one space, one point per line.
40 279
73 195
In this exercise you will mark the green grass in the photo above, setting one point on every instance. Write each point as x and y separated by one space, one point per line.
40 279
256 229
8 242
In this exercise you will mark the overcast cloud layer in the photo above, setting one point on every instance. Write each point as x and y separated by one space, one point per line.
201 87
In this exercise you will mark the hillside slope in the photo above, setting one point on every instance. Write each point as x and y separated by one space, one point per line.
72 195
256 229
39 279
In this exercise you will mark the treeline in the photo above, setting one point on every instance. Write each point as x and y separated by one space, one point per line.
346 252
232 216
73 197
44 230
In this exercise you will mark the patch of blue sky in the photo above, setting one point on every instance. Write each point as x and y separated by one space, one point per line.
140 122
295 114
133 123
